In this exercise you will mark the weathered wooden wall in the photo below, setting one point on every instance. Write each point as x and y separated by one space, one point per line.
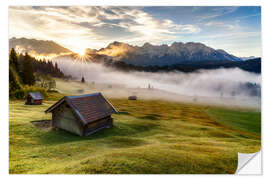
38 101
64 118
97 125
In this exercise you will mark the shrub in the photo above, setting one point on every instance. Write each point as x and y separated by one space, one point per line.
17 94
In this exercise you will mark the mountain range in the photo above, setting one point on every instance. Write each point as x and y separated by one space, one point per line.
146 55
37 47
162 55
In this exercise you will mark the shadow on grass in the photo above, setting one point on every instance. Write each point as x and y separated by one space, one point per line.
151 117
119 130
123 113
125 142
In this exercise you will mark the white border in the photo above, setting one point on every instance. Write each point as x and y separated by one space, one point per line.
265 77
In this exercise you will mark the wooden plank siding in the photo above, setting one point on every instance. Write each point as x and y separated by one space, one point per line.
39 101
91 128
64 118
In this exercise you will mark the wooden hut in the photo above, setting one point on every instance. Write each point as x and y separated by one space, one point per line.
132 98
82 115
34 98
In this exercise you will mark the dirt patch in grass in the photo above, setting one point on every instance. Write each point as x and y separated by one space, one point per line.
43 124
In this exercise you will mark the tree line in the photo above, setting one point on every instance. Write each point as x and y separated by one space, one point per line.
25 70
253 65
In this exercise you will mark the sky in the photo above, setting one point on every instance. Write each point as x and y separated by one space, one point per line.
236 30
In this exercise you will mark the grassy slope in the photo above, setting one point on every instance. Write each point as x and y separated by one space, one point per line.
147 137
241 120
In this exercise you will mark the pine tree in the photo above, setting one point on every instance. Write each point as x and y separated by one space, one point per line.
14 59
14 83
83 81
56 67
28 70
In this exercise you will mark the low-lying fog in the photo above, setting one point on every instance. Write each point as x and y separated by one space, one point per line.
232 87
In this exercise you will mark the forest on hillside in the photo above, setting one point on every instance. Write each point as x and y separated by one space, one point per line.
252 65
29 74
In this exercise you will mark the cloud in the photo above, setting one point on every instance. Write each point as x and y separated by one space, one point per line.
220 24
80 27
234 35
93 27
215 12
248 16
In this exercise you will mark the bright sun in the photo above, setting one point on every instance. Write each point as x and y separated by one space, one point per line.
81 55
81 52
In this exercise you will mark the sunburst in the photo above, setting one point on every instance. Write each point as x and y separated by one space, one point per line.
83 58
81 52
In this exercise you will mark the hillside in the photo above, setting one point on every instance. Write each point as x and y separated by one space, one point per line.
251 65
36 47
151 137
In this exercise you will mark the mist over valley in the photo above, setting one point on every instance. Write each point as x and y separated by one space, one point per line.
190 72
231 87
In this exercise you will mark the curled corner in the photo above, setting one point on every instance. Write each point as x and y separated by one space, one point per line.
249 163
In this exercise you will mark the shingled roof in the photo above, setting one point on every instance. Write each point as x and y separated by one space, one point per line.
36 95
88 107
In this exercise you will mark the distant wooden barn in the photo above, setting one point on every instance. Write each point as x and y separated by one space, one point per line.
82 115
132 98
34 98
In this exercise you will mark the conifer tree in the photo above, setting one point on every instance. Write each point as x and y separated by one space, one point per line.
83 81
28 70
14 83
14 59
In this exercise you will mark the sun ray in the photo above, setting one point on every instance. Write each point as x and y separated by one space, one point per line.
82 57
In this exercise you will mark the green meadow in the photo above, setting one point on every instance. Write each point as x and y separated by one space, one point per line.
148 137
